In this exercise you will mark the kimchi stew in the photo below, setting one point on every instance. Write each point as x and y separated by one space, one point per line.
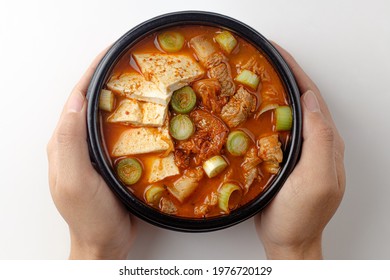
195 121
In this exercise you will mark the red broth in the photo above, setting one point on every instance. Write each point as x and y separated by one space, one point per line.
256 125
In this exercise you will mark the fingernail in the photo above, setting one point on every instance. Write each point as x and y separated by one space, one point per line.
76 102
311 102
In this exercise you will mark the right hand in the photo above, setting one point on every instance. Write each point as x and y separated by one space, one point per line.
291 226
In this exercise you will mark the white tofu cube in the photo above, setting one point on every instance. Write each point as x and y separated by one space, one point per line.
134 86
143 140
168 71
162 168
139 113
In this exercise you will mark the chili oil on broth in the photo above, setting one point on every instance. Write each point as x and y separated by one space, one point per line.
257 126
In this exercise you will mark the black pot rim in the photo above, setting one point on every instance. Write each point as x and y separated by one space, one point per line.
99 157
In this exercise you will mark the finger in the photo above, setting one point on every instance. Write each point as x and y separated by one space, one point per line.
318 149
67 149
303 80
306 84
68 152
76 100
82 85
314 121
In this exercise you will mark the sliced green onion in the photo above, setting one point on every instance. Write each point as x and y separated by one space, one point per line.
170 41
283 116
229 195
153 194
226 41
181 127
237 143
248 78
129 170
183 100
106 100
215 165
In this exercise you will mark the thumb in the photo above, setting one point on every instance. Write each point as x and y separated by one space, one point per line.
71 131
68 149
318 135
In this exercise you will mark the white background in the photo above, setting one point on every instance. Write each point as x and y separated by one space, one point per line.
46 46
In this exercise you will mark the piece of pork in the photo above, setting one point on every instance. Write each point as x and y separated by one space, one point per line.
208 90
167 206
206 51
215 59
207 141
221 72
250 167
270 152
184 186
237 110
216 63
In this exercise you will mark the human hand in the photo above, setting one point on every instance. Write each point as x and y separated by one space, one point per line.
99 224
291 226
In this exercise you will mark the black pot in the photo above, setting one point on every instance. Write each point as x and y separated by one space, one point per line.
102 162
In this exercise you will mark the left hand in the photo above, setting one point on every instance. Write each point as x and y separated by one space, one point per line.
99 224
